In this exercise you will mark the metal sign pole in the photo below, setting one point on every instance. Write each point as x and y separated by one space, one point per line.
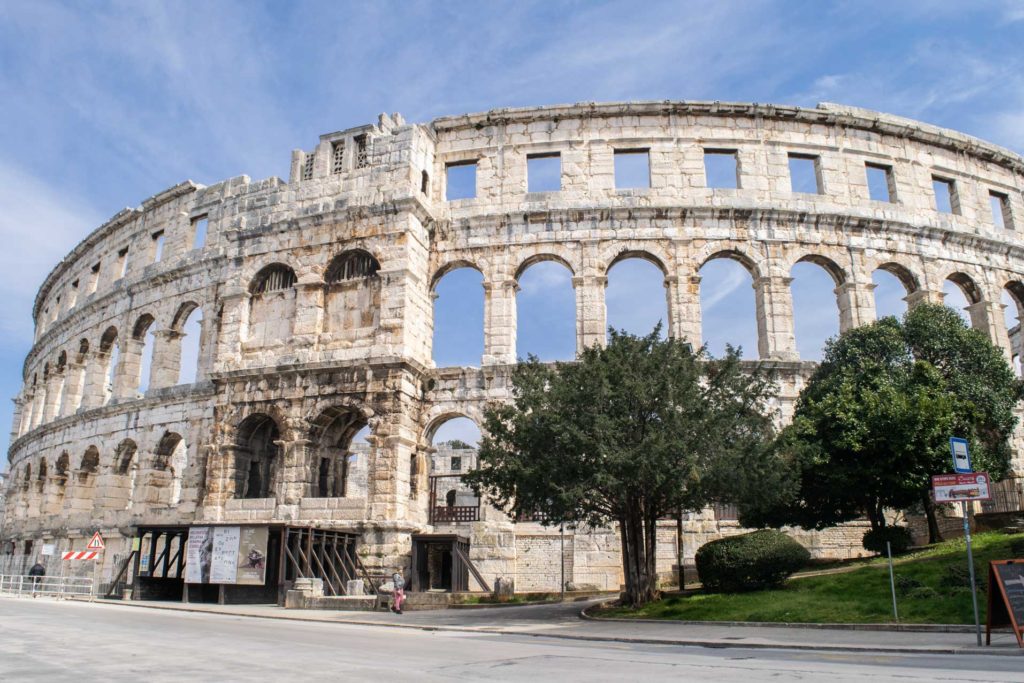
970 567
892 582
561 537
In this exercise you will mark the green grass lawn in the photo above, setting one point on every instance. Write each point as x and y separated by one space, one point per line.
859 596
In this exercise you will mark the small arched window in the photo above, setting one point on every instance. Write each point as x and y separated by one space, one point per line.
273 278
351 265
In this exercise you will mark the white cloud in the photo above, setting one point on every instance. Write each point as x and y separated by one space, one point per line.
40 224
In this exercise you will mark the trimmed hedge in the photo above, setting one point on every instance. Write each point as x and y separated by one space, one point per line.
898 537
761 559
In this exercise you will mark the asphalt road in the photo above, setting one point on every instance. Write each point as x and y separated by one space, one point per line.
42 640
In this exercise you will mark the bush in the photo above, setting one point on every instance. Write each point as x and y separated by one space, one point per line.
1017 548
761 559
897 536
906 584
958 577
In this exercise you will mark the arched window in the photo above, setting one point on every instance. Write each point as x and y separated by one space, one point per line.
728 312
142 367
815 305
272 278
459 318
171 459
272 306
90 461
352 297
893 284
546 312
335 432
1013 315
960 292
256 453
351 265
636 299
120 497
191 330
109 356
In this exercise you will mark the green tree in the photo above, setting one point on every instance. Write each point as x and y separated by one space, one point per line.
873 423
628 433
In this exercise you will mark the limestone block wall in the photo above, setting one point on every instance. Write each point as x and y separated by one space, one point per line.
316 303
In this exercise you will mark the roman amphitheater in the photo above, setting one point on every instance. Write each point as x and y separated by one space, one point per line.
277 320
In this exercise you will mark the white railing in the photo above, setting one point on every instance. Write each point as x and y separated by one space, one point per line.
21 585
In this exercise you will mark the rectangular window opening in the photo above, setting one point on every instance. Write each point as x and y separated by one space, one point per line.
721 169
122 263
544 172
456 463
73 296
158 246
880 182
632 169
307 166
1000 204
460 180
946 200
805 173
94 277
338 157
362 155
200 225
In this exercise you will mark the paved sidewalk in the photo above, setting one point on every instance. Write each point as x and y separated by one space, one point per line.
562 620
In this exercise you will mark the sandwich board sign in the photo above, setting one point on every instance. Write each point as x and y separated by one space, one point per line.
1005 598
961 456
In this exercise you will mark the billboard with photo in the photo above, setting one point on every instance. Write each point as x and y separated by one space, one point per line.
233 555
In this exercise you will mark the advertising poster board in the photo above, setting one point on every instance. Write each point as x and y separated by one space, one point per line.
952 488
198 554
231 555
1005 598
225 554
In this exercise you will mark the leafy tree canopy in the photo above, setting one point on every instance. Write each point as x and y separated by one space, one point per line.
630 433
873 423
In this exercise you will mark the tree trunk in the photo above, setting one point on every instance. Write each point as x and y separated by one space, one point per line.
934 535
638 557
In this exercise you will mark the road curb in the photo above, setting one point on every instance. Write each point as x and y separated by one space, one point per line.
905 628
678 642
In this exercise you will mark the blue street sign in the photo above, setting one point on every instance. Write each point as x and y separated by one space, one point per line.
961 457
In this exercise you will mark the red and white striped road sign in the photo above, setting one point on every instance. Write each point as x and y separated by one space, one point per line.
81 555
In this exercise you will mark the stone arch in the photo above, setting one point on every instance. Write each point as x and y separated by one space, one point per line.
812 297
543 257
460 314
440 415
272 305
728 309
125 468
635 280
837 272
181 315
85 488
717 251
272 278
61 472
352 264
545 309
352 297
63 464
137 360
450 267
644 254
170 458
968 285
331 460
907 278
108 361
257 456
1013 317
185 344
83 351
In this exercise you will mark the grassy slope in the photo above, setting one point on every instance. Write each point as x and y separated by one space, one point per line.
859 596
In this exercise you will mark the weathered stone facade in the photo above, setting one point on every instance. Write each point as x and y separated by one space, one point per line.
316 301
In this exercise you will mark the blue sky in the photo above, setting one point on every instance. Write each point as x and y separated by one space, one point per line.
106 104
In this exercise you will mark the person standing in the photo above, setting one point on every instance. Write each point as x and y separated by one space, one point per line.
399 582
37 572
